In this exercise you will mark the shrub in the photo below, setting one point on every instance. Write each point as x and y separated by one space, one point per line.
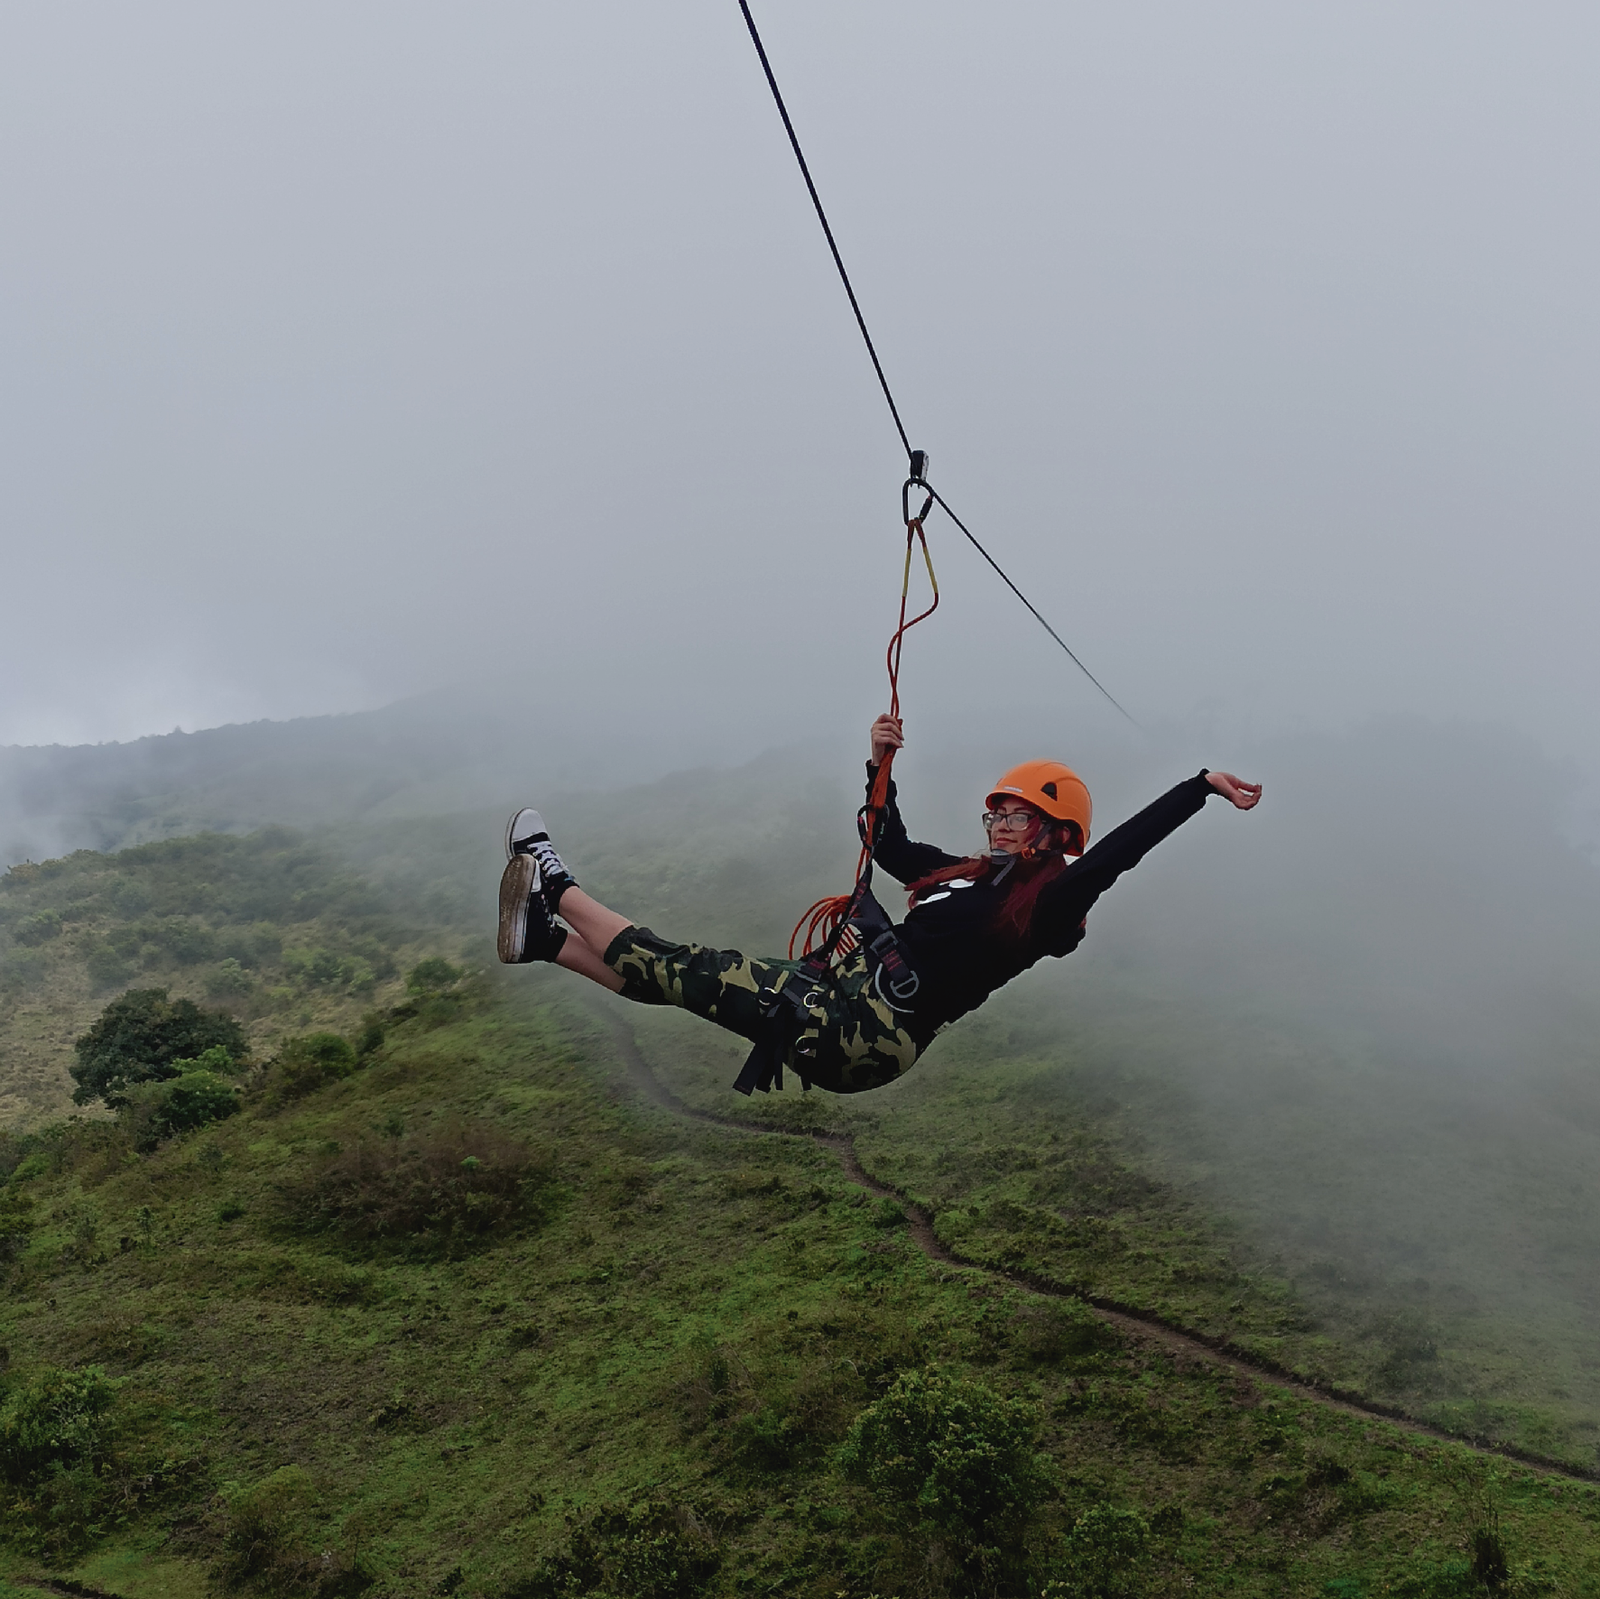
107 969
229 981
180 1104
266 1545
182 941
1102 1555
140 1036
1410 1353
55 1433
39 928
306 1064
662 1552
647 1551
16 1224
954 1459
428 976
436 994
713 1388
14 1148
443 1189
1478 1487
54 1418
321 968
1060 1330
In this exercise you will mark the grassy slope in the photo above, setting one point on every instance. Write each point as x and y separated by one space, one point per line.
1062 1168
454 1413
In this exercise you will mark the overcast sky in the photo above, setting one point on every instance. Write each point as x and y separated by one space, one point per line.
350 351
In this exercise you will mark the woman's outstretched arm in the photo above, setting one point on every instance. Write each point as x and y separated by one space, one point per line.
1065 902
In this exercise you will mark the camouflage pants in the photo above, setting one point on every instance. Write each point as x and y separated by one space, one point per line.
852 1042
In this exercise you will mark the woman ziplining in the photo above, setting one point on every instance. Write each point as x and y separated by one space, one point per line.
859 1012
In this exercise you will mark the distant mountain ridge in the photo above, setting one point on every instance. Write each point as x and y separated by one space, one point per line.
434 755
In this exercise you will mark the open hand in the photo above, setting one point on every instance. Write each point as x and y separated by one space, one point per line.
888 733
1234 789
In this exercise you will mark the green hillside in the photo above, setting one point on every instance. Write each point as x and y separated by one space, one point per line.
277 929
632 1370
484 1318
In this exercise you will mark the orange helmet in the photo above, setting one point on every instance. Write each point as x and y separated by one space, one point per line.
1049 786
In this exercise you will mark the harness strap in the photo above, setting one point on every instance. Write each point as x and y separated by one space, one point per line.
785 1013
892 974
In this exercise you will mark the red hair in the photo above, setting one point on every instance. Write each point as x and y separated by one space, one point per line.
1030 872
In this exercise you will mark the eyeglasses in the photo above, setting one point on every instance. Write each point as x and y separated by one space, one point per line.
1009 821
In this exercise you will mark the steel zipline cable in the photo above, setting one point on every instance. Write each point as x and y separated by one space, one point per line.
938 499
877 365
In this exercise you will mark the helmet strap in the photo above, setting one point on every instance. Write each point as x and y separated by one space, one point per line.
1002 867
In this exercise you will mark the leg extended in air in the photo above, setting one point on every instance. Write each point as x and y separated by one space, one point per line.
841 1035
534 888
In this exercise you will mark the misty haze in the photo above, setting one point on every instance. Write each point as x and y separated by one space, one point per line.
413 415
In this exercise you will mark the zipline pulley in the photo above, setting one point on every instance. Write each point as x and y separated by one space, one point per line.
917 480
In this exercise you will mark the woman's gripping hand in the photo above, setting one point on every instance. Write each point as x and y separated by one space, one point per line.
888 733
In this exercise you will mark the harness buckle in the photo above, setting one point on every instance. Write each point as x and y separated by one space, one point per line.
896 982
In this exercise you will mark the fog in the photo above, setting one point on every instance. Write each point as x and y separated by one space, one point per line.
355 353
473 384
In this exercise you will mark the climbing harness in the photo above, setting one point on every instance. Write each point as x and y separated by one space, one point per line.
786 1013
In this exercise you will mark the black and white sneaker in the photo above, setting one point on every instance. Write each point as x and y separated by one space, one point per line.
528 931
527 835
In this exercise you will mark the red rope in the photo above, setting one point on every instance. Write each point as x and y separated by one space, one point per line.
826 916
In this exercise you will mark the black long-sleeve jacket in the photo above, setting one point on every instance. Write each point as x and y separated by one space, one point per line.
950 937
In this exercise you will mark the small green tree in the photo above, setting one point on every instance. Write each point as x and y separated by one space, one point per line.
948 1456
39 929
229 981
305 1064
54 1418
140 1036
198 1095
56 1432
428 976
1102 1555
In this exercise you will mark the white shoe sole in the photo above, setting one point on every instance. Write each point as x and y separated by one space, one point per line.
519 882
